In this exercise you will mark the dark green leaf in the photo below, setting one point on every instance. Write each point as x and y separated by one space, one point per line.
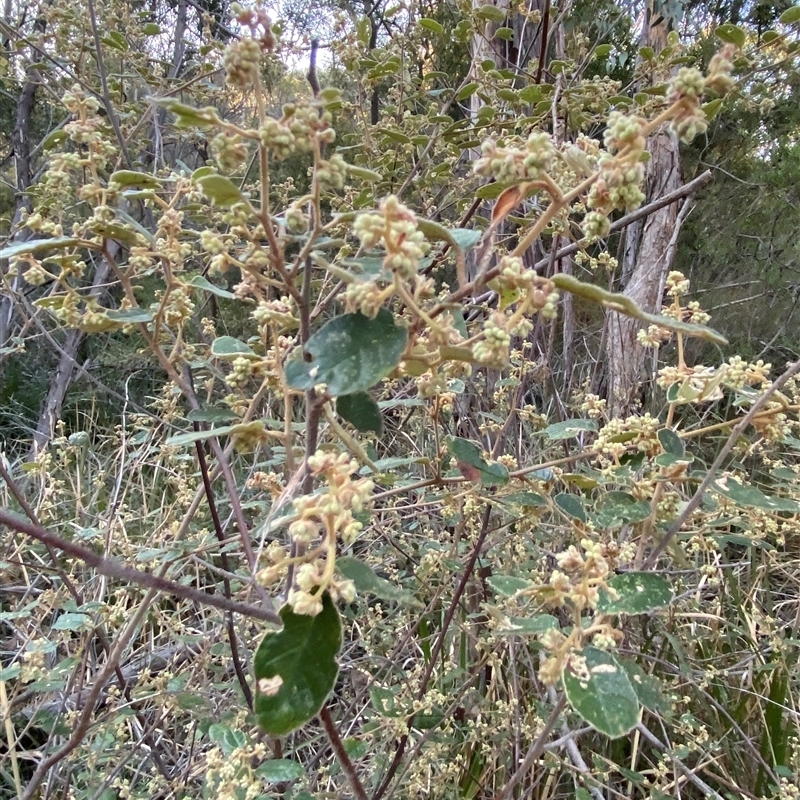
570 504
300 660
350 353
671 442
473 465
361 411
647 688
605 699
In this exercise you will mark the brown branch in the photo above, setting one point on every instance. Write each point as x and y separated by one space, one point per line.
113 569
338 748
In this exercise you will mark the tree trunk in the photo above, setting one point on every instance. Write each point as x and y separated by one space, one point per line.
626 358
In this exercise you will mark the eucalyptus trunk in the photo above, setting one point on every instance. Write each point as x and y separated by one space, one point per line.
648 261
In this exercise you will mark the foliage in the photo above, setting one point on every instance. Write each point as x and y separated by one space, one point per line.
329 502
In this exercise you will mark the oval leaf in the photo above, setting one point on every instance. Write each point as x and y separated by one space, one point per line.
473 465
228 348
223 191
637 593
606 699
361 411
571 506
366 581
278 770
671 442
350 354
300 663
569 428
732 34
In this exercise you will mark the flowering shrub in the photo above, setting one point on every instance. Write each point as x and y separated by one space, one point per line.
347 428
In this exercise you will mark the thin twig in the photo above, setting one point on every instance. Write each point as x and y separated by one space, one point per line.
113 569
737 431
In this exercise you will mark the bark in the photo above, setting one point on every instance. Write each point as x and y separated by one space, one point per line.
626 358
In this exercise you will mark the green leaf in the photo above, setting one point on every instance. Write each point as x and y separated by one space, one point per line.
35 246
130 316
133 223
351 353
201 282
790 16
570 504
617 508
465 238
602 50
605 699
732 34
647 688
528 626
490 191
181 439
151 29
624 305
227 738
637 593
127 177
223 191
712 108
431 25
505 33
509 585
278 770
366 581
491 13
228 348
361 411
524 499
571 427
53 139
473 465
751 497
73 622
671 442
211 415
362 173
187 115
466 91
298 666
